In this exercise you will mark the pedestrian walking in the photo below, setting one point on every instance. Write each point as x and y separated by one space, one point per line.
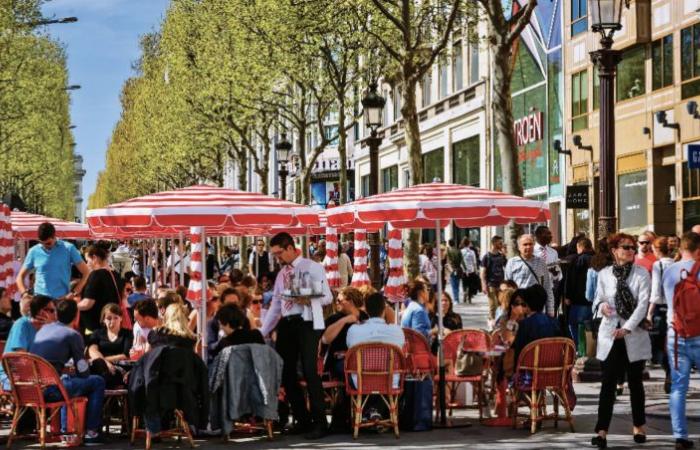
575 287
492 273
527 269
681 295
455 265
622 300
470 280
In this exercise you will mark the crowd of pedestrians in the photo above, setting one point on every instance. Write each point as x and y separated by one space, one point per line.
92 323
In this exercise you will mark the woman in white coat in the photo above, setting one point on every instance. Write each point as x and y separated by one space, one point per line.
622 300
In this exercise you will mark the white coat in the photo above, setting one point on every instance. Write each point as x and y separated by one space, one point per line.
637 342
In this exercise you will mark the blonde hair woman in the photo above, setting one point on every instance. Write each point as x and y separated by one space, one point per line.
175 330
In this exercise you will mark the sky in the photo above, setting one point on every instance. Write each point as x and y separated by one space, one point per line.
101 48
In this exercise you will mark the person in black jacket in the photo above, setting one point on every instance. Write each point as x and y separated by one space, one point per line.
575 287
167 378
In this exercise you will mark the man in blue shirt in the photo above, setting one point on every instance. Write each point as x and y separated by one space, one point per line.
23 332
51 261
688 350
58 343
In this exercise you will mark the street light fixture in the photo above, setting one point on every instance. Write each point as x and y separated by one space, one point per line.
39 23
283 149
606 20
373 106
72 87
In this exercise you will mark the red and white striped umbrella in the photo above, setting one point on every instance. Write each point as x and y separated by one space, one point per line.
437 204
25 225
395 289
7 250
219 210
359 267
330 262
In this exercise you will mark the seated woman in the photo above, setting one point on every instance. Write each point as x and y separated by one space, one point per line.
109 344
415 316
451 321
351 311
236 328
505 291
174 331
536 324
514 306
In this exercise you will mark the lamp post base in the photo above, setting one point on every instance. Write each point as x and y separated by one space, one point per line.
606 226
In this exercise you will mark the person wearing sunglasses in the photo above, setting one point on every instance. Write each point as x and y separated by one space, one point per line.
51 261
622 301
645 256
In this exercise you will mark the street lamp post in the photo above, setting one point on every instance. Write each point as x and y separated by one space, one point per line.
39 23
373 105
605 19
283 148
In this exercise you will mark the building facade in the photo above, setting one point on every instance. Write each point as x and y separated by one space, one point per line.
656 116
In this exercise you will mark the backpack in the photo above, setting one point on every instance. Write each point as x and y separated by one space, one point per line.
686 307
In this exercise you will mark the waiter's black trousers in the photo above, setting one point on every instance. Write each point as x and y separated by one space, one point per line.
298 341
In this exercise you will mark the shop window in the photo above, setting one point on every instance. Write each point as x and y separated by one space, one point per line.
364 186
630 74
596 89
466 159
331 133
633 200
434 165
457 67
579 100
662 62
691 182
390 178
579 17
425 89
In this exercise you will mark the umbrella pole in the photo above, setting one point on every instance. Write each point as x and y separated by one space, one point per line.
181 237
203 303
172 272
164 265
441 354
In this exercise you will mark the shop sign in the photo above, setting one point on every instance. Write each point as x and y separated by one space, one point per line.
694 156
331 165
577 197
529 129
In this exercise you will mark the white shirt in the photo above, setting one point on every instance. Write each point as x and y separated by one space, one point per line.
280 306
469 257
657 271
181 264
375 329
551 257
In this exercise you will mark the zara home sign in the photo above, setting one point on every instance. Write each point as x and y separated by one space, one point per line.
529 128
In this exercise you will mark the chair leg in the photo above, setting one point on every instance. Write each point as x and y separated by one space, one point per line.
534 408
42 427
134 427
555 403
393 401
15 420
357 415
514 408
148 440
567 411
125 416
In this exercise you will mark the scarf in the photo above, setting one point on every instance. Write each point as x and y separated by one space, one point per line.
625 303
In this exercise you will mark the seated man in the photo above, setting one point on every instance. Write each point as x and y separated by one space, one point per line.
140 292
536 324
375 329
58 343
23 332
146 319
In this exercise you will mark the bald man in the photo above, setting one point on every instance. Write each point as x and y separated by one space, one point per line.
696 229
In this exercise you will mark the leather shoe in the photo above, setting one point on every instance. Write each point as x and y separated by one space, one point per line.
640 438
683 444
599 441
317 432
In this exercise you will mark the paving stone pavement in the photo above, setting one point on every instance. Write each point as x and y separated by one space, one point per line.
478 437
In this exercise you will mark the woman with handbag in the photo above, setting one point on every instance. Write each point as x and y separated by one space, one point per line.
622 299
108 345
103 286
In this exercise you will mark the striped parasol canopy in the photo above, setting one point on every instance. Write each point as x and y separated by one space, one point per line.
437 204
7 250
25 225
220 211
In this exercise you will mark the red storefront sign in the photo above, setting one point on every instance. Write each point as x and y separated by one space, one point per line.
529 129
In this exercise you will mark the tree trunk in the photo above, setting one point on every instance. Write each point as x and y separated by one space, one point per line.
342 151
409 112
502 106
242 185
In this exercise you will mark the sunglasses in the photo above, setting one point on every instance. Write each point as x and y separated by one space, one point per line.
518 303
256 302
628 247
643 242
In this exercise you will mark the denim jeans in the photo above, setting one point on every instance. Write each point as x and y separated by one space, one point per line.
577 314
92 387
455 281
688 353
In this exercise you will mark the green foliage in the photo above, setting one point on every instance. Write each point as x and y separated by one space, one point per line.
36 144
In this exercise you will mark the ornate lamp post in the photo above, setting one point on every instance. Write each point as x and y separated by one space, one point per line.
283 149
605 19
373 106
